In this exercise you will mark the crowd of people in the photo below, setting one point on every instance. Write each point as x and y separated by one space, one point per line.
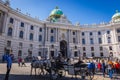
105 66
108 67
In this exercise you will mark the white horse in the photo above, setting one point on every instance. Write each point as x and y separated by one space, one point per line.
41 65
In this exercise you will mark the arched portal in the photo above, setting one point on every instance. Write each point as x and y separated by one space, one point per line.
63 48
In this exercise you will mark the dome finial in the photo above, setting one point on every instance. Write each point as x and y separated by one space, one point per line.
56 7
117 11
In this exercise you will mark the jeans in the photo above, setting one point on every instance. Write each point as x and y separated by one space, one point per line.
7 74
111 73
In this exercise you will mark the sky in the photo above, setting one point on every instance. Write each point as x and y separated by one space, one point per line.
82 11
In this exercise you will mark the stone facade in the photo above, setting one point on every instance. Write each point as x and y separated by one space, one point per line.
27 36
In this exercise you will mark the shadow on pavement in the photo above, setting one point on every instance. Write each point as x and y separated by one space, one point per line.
33 77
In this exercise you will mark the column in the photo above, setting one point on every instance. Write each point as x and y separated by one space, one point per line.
78 36
56 35
5 20
46 34
70 36
68 46
15 28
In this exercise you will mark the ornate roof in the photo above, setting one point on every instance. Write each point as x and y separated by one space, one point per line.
116 17
56 12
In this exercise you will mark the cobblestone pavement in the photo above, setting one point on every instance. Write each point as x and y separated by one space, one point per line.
23 73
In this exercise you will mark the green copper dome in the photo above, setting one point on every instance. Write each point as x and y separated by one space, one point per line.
56 12
116 15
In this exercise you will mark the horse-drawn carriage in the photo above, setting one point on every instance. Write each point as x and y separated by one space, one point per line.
57 68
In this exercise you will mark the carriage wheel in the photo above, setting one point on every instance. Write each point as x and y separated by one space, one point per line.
90 75
62 72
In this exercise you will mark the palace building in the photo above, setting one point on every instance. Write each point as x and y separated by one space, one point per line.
25 36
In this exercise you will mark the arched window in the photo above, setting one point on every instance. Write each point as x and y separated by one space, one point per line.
10 31
31 36
40 38
21 34
19 53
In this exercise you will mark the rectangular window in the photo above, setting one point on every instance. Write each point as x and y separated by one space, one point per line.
109 39
32 27
75 54
101 48
52 31
118 38
22 24
84 49
11 20
40 38
40 29
73 33
31 36
91 41
92 54
19 53
118 30
83 41
108 32
74 40
91 34
39 53
100 40
99 33
84 54
83 33
101 54
92 48
20 45
52 39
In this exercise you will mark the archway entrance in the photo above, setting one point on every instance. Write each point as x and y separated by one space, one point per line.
63 48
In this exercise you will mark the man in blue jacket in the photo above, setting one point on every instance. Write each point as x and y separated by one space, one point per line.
91 69
9 65
103 68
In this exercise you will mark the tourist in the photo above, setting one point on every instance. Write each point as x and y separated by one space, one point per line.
9 65
19 61
117 66
111 69
90 67
99 66
103 68
23 63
